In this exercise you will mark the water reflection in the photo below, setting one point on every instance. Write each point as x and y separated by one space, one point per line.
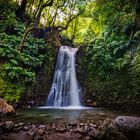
65 115
62 114
54 115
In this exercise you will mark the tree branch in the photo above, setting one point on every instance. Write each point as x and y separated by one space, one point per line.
69 21
40 1
37 20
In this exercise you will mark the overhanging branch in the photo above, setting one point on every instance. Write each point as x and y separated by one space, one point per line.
37 20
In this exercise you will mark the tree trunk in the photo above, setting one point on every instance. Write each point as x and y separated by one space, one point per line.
22 10
138 15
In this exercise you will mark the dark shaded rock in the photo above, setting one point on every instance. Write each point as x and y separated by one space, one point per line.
122 128
114 133
5 109
129 126
73 124
86 128
109 131
7 126
92 133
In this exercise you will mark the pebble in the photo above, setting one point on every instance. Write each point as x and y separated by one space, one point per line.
40 132
77 130
25 128
31 133
33 126
81 124
42 127
20 124
16 125
61 130
9 125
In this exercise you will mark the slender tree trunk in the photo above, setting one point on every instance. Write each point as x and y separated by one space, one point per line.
21 11
138 15
24 37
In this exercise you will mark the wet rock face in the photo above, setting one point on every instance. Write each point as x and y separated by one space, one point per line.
5 109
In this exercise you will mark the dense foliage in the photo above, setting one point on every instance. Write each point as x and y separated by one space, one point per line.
18 68
112 52
108 31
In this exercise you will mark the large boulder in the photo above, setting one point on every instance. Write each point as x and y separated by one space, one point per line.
109 131
129 126
122 128
5 109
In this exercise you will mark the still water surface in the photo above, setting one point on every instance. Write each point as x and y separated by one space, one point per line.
47 115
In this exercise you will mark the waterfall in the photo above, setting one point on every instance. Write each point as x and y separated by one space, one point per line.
65 90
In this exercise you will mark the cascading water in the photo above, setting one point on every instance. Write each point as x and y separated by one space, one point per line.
65 90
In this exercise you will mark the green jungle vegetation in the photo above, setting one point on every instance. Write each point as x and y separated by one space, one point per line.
107 32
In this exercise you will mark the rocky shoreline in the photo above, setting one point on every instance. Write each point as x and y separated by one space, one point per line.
121 128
